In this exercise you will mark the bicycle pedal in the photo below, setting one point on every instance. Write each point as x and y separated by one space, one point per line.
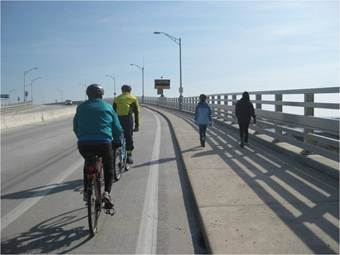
110 211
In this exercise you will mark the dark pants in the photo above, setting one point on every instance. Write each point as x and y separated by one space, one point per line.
202 131
103 150
243 131
127 125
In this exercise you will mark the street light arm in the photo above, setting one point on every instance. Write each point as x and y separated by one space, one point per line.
35 79
110 76
173 38
29 70
140 67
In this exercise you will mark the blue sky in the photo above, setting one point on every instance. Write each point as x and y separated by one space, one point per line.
227 46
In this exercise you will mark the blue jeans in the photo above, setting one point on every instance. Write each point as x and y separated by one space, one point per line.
202 131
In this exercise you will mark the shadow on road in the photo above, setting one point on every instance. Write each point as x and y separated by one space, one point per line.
155 162
55 235
75 185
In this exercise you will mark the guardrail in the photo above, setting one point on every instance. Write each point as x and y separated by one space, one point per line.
315 135
15 106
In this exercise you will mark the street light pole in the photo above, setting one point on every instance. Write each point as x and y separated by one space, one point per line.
178 41
26 72
142 69
114 84
32 87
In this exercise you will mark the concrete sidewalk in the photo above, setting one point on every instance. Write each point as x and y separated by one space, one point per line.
253 200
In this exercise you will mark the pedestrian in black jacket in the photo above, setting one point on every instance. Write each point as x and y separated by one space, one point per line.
244 110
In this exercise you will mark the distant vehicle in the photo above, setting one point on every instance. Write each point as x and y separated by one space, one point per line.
68 102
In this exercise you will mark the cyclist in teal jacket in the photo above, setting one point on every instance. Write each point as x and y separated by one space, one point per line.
97 128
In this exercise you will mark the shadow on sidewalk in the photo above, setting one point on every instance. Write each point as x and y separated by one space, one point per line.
304 199
50 236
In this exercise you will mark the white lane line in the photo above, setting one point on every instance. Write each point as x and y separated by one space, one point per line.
30 202
147 236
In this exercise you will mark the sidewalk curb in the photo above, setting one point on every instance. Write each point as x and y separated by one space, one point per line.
173 131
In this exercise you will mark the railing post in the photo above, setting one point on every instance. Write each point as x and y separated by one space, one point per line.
309 98
278 98
258 98
278 108
226 110
219 110
308 111
192 104
234 98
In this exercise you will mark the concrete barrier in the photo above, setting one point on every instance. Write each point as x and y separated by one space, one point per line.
9 121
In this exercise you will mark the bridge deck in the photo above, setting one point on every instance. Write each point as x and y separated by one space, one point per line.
256 200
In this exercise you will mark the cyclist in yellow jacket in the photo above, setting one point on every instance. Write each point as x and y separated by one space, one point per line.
127 105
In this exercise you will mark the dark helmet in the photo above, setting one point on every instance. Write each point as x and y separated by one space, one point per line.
95 91
245 96
126 88
203 98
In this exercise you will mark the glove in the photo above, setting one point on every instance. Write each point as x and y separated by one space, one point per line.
116 145
136 129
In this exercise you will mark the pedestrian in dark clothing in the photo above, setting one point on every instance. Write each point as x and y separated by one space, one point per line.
203 117
244 110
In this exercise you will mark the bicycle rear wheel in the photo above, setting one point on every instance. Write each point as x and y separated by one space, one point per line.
93 207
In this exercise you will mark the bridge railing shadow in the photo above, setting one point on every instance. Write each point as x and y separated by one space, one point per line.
306 201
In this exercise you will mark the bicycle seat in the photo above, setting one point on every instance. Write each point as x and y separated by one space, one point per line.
92 158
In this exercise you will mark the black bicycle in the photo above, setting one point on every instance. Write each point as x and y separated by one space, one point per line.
94 191
120 156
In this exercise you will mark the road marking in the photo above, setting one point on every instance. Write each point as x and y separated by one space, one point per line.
30 202
147 236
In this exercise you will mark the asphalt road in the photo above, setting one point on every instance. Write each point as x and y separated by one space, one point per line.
41 203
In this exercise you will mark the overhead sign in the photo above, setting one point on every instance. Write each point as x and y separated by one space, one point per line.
4 95
162 84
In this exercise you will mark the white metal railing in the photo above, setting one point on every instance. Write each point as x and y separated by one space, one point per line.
314 134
